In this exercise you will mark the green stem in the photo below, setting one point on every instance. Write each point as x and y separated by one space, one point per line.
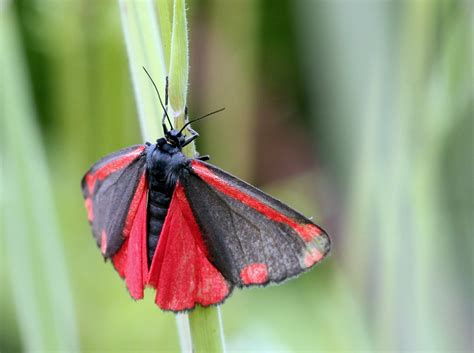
165 19
206 330
145 47
179 69
179 63
143 42
205 323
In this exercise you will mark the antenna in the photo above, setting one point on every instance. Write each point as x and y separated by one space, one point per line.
202 117
159 97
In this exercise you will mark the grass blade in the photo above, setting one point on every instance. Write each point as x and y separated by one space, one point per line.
34 256
144 49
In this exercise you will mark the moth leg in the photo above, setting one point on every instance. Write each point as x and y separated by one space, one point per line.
204 158
165 129
194 135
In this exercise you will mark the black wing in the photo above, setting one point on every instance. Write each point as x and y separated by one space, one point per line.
252 238
109 189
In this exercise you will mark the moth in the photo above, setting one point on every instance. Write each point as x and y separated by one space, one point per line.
189 229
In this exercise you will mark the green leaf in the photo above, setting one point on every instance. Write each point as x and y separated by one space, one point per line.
35 264
145 49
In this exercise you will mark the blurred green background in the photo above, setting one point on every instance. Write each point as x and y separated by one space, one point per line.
358 113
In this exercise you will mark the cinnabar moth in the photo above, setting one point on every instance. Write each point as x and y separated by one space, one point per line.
190 230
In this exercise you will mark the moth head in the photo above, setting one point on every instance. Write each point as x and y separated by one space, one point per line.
174 137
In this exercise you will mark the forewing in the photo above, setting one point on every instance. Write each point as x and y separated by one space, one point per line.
111 194
252 238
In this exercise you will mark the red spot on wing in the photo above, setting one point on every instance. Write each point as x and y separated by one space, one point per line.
311 257
306 231
131 260
103 242
111 167
90 211
254 274
180 271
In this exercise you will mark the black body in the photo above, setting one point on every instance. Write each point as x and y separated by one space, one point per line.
164 163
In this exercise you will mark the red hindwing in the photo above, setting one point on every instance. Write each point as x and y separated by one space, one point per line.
181 271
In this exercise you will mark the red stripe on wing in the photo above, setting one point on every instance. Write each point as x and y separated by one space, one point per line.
131 260
111 167
306 231
140 193
180 271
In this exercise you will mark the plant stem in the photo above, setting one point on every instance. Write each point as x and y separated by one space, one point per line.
143 41
165 19
205 323
145 47
179 69
206 330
